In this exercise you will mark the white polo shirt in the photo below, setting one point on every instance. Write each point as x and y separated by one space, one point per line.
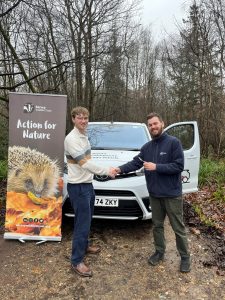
78 153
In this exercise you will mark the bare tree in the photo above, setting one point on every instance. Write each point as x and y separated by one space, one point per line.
195 72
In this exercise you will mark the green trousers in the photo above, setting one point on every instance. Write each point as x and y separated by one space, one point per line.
173 208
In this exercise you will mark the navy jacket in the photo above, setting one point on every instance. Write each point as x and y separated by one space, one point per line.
167 153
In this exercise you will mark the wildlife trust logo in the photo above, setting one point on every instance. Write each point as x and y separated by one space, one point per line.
28 108
185 176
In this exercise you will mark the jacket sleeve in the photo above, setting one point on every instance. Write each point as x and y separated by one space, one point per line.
177 160
133 165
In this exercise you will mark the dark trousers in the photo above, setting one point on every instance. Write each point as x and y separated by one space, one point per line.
82 197
173 208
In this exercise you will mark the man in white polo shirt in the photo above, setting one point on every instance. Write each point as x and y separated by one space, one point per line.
81 193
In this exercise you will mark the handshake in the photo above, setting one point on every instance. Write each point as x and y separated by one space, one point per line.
114 171
149 166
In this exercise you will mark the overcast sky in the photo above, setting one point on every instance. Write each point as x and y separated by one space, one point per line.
163 14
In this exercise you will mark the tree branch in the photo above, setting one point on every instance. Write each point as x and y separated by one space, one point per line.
10 9
13 51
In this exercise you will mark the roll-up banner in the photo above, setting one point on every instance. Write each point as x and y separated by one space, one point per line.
37 124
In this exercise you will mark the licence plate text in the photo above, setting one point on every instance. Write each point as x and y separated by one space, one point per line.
106 202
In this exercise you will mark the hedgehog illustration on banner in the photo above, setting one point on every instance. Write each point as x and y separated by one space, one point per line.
34 198
32 172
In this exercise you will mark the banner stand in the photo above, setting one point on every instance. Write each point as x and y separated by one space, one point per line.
41 239
37 126
38 243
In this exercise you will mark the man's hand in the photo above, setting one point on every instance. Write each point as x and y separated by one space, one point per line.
149 166
118 171
112 172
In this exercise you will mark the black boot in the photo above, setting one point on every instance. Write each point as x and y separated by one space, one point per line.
185 264
155 258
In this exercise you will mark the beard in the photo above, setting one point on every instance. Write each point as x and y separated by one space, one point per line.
154 134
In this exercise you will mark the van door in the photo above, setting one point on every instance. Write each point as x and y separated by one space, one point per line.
187 133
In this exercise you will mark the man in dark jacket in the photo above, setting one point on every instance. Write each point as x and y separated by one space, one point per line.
163 160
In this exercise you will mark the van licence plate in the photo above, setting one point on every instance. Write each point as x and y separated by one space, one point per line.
107 202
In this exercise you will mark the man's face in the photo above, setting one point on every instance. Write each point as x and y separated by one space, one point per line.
81 122
155 127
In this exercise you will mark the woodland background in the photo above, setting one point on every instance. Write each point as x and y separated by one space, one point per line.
99 55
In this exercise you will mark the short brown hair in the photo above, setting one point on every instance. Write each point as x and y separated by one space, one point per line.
154 114
79 110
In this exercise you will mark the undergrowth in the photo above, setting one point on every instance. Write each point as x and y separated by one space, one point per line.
212 172
3 169
211 206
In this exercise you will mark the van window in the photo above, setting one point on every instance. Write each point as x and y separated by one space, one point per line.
117 136
185 133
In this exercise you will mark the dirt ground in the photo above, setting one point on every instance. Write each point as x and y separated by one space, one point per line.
31 271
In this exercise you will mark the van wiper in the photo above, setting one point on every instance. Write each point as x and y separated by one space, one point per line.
101 148
116 148
133 149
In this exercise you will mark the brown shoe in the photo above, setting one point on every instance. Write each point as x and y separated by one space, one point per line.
93 249
82 270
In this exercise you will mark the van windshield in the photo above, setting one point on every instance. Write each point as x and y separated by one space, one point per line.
117 136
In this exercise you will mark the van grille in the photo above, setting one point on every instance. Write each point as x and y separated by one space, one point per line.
126 208
116 193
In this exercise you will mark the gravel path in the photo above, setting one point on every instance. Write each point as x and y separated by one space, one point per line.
121 271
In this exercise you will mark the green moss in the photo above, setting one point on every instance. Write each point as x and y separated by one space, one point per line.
203 218
3 169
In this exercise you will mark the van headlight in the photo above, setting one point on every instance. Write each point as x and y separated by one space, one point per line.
140 172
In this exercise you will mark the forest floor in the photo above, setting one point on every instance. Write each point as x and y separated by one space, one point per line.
42 271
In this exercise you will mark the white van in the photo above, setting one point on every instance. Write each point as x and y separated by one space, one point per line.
113 144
